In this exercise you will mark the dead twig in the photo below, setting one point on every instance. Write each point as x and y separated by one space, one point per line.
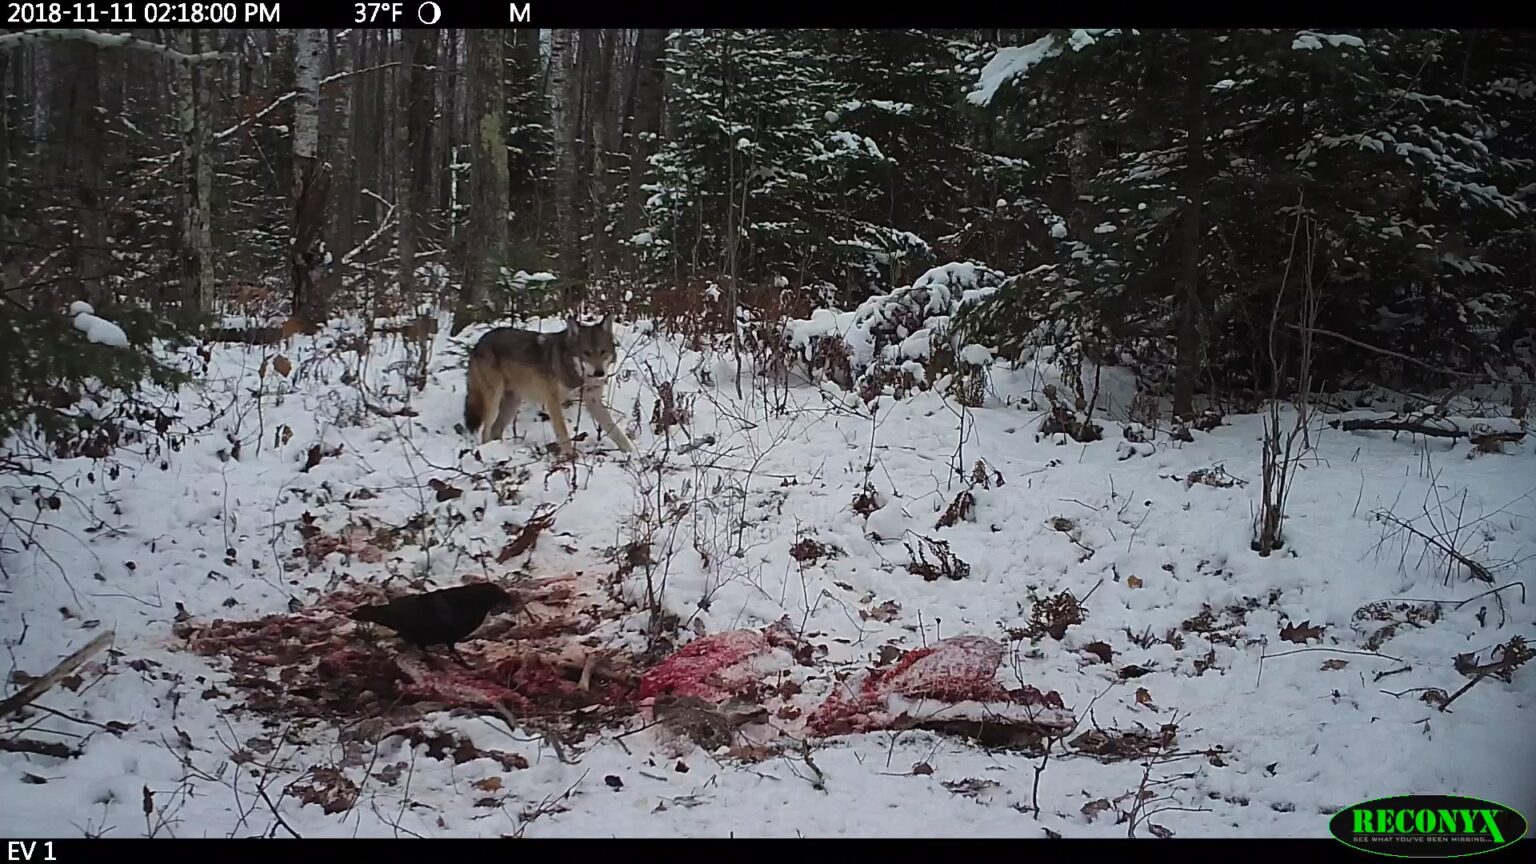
1478 570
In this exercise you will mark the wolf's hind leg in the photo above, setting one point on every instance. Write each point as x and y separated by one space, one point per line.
490 423
510 402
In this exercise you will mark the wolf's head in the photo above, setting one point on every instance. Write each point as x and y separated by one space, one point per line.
593 347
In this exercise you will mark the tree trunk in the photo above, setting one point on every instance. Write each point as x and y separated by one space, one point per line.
311 180
78 137
450 153
488 178
10 274
563 84
413 145
646 123
422 103
524 98
280 75
193 103
336 135
1187 367
382 177
405 224
597 62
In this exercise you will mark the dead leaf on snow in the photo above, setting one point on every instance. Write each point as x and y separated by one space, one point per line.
971 787
1100 650
1301 633
886 612
1093 808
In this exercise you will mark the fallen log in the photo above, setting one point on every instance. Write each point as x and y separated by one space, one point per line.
246 335
1433 427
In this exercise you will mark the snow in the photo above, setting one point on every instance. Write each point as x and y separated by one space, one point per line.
98 330
1307 40
1157 562
1008 64
976 355
1081 39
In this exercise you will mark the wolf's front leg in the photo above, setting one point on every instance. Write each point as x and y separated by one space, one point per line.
594 403
556 410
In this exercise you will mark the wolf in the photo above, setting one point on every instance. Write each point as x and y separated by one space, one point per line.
510 364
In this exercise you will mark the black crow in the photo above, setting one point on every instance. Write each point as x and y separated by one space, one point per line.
443 617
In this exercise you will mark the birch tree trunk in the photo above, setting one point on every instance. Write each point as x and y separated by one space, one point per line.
193 104
311 180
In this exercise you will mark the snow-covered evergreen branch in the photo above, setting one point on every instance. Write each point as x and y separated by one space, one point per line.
106 40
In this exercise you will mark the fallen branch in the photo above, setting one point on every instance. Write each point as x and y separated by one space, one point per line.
67 667
384 225
40 748
1472 683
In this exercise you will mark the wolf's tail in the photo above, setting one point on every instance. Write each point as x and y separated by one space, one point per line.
474 403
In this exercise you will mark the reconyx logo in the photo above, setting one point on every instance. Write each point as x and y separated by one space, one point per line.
1427 826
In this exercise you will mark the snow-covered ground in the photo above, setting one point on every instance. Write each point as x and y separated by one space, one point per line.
1270 737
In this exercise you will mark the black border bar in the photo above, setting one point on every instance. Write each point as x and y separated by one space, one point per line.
379 850
982 14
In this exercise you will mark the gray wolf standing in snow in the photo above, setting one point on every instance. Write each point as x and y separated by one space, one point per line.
510 364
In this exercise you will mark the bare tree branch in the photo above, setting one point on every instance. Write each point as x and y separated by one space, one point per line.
1404 357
